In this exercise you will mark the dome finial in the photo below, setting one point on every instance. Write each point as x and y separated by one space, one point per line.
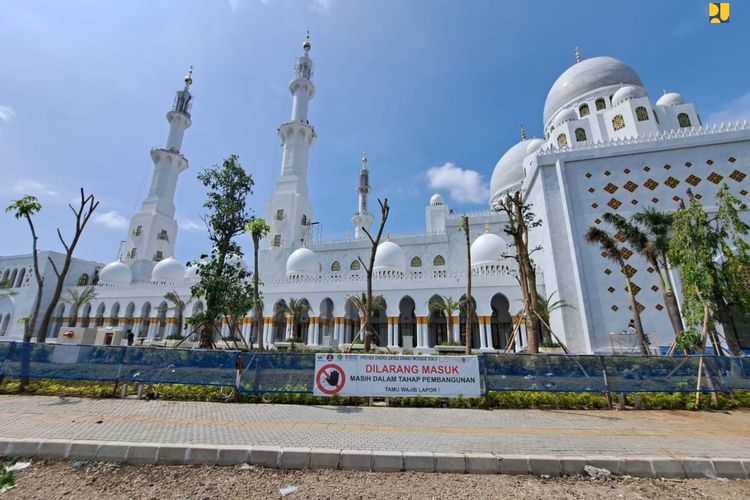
364 160
523 133
189 77
306 45
578 55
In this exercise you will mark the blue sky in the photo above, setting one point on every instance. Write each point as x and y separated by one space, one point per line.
418 84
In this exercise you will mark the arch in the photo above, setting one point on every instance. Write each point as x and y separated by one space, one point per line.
276 240
600 104
476 343
336 266
407 322
145 318
21 275
301 325
437 325
99 318
161 316
583 110
684 120
6 274
279 321
618 122
114 314
379 322
562 140
4 324
416 262
580 135
641 114
355 266
128 317
83 279
197 309
12 278
501 321
438 261
352 322
85 319
326 318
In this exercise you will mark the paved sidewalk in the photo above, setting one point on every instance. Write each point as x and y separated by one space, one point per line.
622 434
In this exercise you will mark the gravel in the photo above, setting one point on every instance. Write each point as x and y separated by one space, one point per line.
60 479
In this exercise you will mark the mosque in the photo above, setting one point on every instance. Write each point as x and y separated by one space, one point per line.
606 147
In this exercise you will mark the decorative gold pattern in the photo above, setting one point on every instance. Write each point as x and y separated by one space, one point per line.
610 188
583 110
608 271
607 173
743 192
591 190
671 182
597 221
715 178
594 206
620 237
641 114
627 170
630 270
688 164
709 162
693 180
626 253
658 307
630 186
600 104
732 159
654 200
614 203
588 175
614 308
618 122
737 176
562 140
633 201
650 184
650 269
647 169
654 288
635 288
667 166
336 267
580 135
683 119
611 289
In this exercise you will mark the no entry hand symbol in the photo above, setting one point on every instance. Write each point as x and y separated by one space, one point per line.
330 379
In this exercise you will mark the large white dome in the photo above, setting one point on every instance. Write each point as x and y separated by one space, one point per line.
487 250
583 78
116 273
302 262
390 257
168 270
508 170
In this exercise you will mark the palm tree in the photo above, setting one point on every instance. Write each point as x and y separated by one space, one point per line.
178 306
611 251
649 233
547 305
464 226
360 304
77 300
446 306
294 309
258 229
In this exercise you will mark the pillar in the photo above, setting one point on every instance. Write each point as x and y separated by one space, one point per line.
289 328
153 328
337 330
421 324
391 339
170 328
313 340
456 333
396 328
267 331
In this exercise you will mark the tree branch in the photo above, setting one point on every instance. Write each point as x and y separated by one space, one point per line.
54 267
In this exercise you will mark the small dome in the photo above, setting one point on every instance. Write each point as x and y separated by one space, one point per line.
585 77
168 270
670 99
627 92
436 200
487 250
390 257
534 145
116 273
508 171
302 262
565 115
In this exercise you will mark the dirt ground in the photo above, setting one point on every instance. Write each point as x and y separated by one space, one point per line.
66 479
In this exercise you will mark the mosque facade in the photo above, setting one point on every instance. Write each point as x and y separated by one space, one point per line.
607 147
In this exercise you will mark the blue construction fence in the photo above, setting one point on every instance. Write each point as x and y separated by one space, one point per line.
278 372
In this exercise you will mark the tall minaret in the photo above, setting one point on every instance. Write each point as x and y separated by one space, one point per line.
363 218
153 230
289 212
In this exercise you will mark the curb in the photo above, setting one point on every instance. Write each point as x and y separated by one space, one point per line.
376 461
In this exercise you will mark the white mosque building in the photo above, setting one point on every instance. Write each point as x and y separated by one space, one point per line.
607 147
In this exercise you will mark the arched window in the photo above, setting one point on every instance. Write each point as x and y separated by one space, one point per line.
580 135
277 240
158 256
562 140
641 114
21 275
683 119
438 261
416 262
600 104
583 110
304 220
335 267
618 122
83 280
355 266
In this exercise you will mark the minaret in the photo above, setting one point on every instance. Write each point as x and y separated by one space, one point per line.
153 230
362 218
289 212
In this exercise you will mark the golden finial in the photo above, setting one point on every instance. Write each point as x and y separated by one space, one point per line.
523 133
665 91
578 55
189 77
364 160
306 45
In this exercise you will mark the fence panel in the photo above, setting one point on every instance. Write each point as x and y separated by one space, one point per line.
270 372
732 373
548 373
654 374
179 366
64 361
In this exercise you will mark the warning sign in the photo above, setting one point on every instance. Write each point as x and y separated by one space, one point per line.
394 376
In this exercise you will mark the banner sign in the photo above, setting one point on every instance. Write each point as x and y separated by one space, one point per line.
396 376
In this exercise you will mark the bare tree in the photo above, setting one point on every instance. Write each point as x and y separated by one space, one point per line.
464 226
83 213
366 325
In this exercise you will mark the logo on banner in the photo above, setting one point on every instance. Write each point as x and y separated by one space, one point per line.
330 379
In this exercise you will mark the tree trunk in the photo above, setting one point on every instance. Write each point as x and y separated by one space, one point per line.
31 323
670 300
727 325
258 319
42 336
636 314
522 254
469 303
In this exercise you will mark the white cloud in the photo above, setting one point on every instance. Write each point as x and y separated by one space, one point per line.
6 113
111 220
322 5
464 185
733 111
189 225
32 187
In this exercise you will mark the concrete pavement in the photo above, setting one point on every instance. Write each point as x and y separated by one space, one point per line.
639 443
